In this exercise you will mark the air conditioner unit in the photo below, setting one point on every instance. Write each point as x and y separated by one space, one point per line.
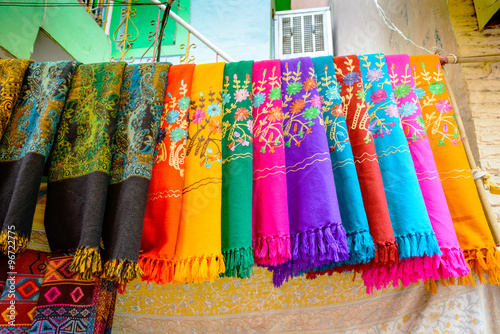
304 32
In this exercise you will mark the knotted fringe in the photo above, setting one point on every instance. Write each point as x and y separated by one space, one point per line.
272 250
481 261
87 262
122 271
199 269
386 254
12 242
238 262
417 244
449 264
156 270
361 250
417 261
311 249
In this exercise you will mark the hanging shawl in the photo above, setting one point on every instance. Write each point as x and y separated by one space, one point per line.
26 145
137 123
198 255
365 157
70 304
470 223
80 164
11 79
271 231
237 149
416 240
317 235
451 263
163 209
18 299
359 240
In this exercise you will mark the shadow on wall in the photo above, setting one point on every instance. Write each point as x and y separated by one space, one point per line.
46 49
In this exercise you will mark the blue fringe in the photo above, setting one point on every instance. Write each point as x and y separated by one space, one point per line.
417 244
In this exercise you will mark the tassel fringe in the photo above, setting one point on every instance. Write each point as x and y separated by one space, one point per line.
199 269
361 250
272 250
483 261
13 242
385 254
156 270
238 262
417 244
448 265
122 271
87 262
311 249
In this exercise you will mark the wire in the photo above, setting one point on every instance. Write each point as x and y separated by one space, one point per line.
71 4
393 27
163 24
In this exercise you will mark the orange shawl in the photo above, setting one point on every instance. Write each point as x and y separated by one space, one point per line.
163 208
470 223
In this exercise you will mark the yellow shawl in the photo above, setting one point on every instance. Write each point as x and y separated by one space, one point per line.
198 255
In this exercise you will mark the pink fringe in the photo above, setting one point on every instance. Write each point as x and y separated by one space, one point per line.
272 250
412 270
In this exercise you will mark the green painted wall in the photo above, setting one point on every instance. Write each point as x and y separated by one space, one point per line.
283 5
174 35
70 27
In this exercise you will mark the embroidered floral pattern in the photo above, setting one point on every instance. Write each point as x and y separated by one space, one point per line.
208 148
174 124
411 120
141 104
441 121
335 127
267 126
239 131
295 129
33 124
379 99
349 79
83 142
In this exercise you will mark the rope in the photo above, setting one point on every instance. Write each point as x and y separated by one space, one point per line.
494 188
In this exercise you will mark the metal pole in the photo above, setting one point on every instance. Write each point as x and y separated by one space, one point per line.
195 32
109 13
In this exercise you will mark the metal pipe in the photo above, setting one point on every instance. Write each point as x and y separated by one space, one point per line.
195 32
109 13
